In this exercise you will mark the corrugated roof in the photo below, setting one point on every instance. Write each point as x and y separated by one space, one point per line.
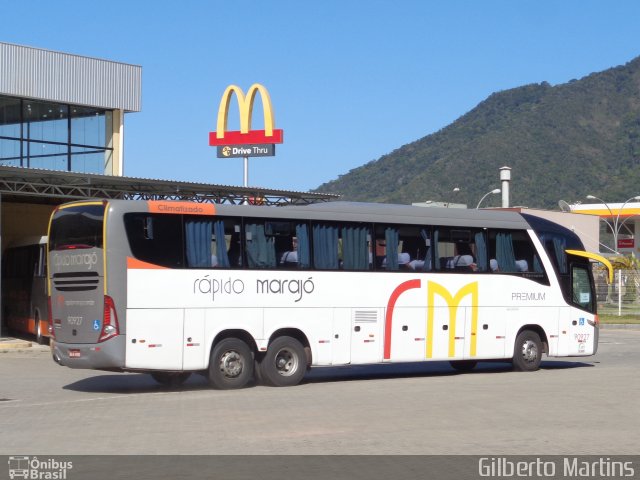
65 78
52 186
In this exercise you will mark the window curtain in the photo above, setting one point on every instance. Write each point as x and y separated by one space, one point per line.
559 246
391 239
355 248
261 250
436 252
304 252
537 266
325 247
504 252
481 252
221 245
426 267
198 233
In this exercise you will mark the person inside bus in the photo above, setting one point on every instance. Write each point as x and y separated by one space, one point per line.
463 261
404 261
290 257
381 253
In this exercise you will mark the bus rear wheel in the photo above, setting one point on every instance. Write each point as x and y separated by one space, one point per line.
527 353
231 364
284 364
39 337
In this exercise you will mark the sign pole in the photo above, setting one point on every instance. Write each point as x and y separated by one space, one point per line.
246 172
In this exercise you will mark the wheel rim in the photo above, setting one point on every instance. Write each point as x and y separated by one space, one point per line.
38 333
286 362
231 364
529 351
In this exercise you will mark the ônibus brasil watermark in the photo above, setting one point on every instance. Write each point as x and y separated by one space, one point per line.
38 469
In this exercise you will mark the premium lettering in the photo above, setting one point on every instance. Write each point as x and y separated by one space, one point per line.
528 296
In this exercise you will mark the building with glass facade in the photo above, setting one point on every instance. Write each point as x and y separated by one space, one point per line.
64 112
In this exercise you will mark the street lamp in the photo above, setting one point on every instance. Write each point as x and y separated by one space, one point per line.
492 192
615 227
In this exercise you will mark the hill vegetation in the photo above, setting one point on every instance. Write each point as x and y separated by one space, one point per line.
562 142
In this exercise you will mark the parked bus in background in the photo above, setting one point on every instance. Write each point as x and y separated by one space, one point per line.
24 288
243 292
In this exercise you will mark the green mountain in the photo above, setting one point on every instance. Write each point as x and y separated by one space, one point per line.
562 142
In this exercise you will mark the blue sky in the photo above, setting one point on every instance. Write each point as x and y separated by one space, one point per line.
349 80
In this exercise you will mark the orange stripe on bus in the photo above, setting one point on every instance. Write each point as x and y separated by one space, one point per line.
181 208
135 264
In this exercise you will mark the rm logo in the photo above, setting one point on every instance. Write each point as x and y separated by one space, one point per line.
453 301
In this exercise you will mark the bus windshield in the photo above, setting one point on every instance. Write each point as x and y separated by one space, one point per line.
77 227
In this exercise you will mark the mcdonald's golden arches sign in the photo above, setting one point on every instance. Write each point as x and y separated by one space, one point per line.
245 136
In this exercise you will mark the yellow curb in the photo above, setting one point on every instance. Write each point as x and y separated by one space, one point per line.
8 345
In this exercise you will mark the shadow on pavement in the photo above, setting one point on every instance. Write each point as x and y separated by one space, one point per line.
128 383
132 383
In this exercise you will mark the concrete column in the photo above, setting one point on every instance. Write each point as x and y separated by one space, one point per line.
114 159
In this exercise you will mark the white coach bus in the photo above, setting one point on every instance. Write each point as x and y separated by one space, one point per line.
243 292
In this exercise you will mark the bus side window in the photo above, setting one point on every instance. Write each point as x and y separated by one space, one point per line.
460 249
355 241
260 248
402 248
325 246
226 244
166 245
512 251
291 242
341 246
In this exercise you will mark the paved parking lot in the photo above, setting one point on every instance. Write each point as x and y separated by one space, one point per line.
571 406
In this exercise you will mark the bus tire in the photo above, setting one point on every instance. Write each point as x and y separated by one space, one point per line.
39 337
231 364
170 379
527 352
284 364
463 365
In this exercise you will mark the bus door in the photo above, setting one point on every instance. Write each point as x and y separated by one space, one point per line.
581 329
578 328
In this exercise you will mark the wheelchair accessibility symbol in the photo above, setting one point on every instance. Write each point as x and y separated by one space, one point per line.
96 324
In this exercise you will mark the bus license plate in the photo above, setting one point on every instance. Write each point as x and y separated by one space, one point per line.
75 353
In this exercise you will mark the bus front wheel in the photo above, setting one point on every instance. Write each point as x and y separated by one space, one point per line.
284 364
527 353
231 364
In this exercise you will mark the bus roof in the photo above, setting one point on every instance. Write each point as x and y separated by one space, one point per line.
359 212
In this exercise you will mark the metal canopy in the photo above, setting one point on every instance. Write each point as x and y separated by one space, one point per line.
48 186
